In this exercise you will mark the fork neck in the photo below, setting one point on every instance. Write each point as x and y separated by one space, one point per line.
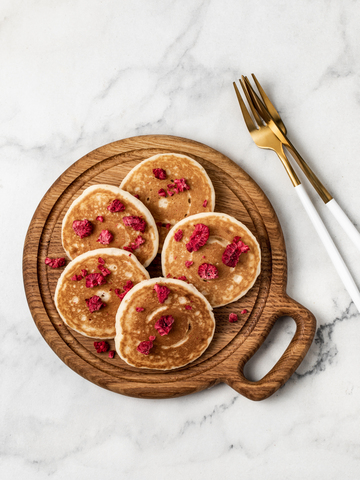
288 167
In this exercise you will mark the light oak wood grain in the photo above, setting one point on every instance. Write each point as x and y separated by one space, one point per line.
234 343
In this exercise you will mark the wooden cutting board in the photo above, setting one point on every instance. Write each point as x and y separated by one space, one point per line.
234 343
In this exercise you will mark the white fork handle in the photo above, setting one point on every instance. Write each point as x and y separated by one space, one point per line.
344 221
333 252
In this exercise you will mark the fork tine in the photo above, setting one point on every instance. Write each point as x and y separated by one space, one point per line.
256 100
250 102
248 120
272 110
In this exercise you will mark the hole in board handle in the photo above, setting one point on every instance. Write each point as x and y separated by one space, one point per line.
271 350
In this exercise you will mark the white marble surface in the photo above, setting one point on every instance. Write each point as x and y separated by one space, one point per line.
75 75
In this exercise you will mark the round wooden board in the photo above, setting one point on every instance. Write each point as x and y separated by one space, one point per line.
234 343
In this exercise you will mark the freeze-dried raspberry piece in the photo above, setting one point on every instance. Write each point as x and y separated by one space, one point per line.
178 235
145 347
205 203
105 271
116 206
159 173
164 324
76 278
101 347
82 228
101 260
128 286
243 311
100 218
169 275
83 272
183 278
94 279
188 307
167 226
162 192
208 271
181 184
233 318
137 223
172 189
188 263
134 245
55 262
111 354
140 309
105 237
162 292
198 238
137 196
232 252
94 303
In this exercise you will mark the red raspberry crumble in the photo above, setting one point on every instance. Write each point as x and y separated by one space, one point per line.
188 307
243 311
178 235
145 347
76 278
137 196
83 272
105 271
162 292
101 260
183 278
105 237
198 238
168 225
137 223
164 324
188 263
134 245
94 279
101 347
116 206
232 252
128 286
55 262
208 271
169 275
140 309
100 218
205 203
233 318
159 173
181 184
172 189
94 303
162 192
112 354
82 228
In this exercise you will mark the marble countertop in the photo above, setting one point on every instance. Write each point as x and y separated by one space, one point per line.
78 75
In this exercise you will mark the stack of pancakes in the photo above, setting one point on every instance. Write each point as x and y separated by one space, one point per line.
165 204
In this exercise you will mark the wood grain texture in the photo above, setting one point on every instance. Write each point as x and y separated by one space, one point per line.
234 343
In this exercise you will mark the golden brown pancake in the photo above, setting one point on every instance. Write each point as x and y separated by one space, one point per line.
181 338
176 201
233 278
88 290
96 220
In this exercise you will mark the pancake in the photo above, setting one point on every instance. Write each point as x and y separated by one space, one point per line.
173 207
165 346
95 220
108 276
201 260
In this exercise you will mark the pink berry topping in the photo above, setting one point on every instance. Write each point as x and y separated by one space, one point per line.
137 223
178 235
94 279
181 184
205 203
140 309
162 192
188 307
208 271
134 245
232 252
55 262
105 271
100 218
159 173
172 189
84 272
233 318
188 263
183 278
105 237
243 311
198 238
101 347
164 325
76 278
162 292
116 206
128 286
145 347
82 228
101 260
94 303
111 354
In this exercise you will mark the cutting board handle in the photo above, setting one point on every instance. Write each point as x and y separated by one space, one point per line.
291 358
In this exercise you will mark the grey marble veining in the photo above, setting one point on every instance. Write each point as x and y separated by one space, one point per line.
78 75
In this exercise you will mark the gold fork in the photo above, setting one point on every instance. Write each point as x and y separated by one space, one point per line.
271 116
264 137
